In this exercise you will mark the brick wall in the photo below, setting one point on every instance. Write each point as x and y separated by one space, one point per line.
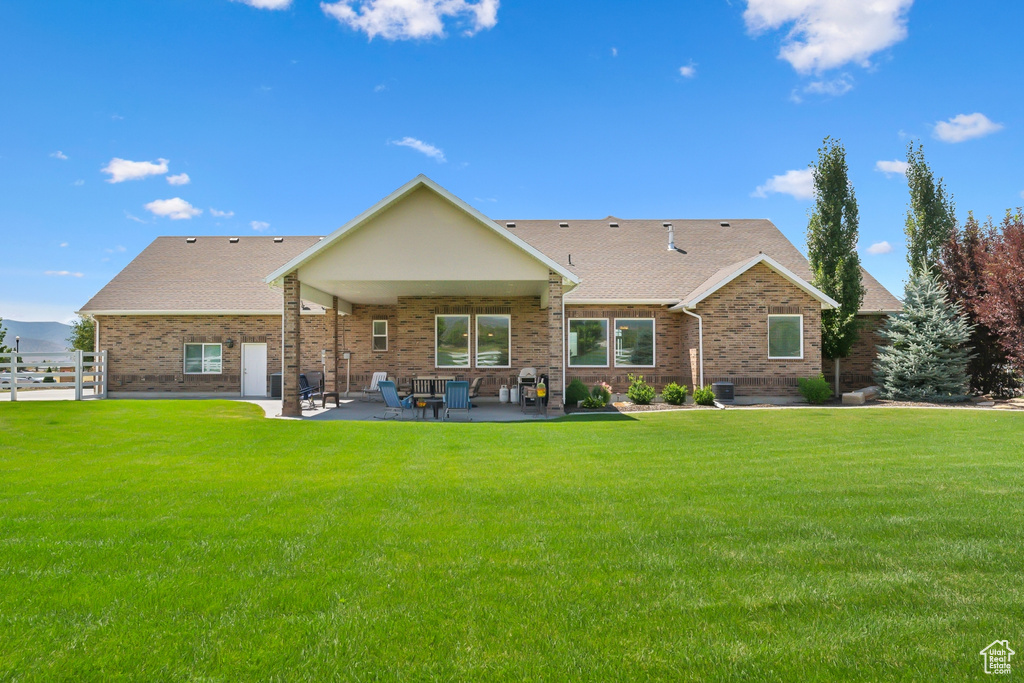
146 353
669 351
411 339
736 334
855 372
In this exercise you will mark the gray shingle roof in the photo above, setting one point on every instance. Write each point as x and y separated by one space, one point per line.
632 261
210 275
628 263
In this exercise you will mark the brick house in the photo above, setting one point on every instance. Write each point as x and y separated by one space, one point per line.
422 283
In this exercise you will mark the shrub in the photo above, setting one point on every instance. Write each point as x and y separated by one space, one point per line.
674 394
593 402
575 392
48 379
603 391
815 389
640 392
704 396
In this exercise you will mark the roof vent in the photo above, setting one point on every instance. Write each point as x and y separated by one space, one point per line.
613 225
510 225
319 239
278 240
563 225
233 240
724 224
190 240
671 236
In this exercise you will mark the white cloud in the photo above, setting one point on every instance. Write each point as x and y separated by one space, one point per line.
221 214
267 4
688 71
615 52
180 179
826 34
59 155
62 273
1022 194
798 184
259 226
412 19
894 167
830 86
966 127
116 250
176 209
135 218
121 170
882 247
380 87
78 183
63 244
422 147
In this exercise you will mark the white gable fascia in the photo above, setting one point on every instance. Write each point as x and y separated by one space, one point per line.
827 302
419 181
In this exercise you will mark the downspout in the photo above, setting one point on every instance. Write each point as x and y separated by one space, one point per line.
700 342
562 332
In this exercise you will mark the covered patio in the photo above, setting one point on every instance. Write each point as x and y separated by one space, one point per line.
422 284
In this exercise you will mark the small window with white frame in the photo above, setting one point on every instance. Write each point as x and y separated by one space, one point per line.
203 359
785 337
634 342
380 335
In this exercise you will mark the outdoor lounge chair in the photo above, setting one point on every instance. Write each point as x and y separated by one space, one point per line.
456 397
393 406
474 387
372 392
307 391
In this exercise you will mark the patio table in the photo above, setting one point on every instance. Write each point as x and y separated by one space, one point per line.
428 402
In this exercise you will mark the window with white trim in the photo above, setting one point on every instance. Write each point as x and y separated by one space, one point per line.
203 359
634 342
493 341
785 337
588 342
451 341
380 335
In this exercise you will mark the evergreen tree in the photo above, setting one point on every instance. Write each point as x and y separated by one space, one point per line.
3 333
931 220
83 334
832 251
926 357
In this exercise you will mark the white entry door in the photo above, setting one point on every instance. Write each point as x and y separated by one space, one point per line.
254 369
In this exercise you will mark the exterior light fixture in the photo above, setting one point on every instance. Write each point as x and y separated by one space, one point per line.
230 343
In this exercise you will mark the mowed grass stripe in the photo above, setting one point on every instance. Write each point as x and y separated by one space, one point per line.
195 539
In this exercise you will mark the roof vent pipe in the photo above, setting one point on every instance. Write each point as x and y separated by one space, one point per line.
563 225
190 240
671 236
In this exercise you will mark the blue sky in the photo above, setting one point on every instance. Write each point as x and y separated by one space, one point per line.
290 117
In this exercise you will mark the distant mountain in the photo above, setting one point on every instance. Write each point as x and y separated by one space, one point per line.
41 337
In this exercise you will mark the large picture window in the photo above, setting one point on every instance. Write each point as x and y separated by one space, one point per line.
203 359
493 341
785 336
451 341
588 342
634 342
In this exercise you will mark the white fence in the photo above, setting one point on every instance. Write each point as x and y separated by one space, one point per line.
44 371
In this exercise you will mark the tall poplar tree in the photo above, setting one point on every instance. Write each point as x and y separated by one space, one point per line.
832 251
931 219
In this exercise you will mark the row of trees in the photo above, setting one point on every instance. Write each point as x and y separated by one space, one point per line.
962 325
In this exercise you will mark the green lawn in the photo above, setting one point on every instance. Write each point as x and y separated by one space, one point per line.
196 540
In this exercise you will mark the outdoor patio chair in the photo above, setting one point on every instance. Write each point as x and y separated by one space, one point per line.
372 392
474 387
456 397
393 406
309 392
